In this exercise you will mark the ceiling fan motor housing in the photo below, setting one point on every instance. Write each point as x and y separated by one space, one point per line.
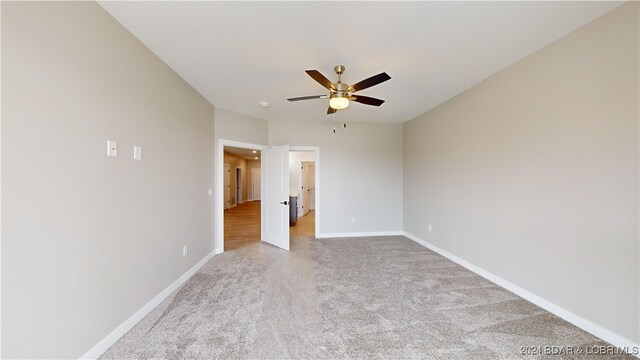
341 89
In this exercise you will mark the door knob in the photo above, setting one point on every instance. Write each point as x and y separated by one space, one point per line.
284 202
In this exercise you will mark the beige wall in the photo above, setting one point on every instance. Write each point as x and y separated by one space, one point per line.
87 240
234 163
233 126
360 173
532 174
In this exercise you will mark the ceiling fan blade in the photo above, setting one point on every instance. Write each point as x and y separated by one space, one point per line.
321 79
369 82
309 97
331 110
367 100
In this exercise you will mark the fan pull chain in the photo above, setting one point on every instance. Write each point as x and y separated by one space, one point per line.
344 123
334 122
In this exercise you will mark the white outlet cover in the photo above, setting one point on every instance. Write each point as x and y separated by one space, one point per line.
429 227
353 219
210 192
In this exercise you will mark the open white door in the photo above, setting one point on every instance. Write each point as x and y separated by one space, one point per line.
275 196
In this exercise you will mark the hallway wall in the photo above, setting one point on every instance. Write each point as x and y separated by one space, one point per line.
237 162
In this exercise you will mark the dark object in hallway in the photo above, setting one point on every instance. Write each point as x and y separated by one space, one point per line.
293 210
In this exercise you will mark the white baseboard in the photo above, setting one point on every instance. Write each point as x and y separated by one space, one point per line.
116 334
359 234
559 311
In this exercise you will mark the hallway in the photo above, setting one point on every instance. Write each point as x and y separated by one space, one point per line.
242 226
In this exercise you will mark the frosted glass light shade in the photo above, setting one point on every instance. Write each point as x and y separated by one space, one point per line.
339 103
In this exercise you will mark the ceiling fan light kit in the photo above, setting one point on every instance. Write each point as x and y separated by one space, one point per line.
341 94
338 102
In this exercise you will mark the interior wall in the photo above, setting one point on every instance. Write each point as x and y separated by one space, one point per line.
532 174
87 239
295 173
360 173
230 125
234 163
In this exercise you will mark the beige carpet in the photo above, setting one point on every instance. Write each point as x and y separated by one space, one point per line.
383 298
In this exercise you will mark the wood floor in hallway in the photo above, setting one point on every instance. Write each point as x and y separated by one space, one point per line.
242 225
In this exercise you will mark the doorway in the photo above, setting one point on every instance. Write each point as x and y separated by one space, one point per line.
258 193
302 178
242 224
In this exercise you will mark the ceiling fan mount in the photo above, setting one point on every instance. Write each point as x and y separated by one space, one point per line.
340 94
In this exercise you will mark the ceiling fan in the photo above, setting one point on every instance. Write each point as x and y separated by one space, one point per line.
340 94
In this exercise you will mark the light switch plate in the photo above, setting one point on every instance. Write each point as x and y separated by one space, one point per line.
137 153
112 148
210 192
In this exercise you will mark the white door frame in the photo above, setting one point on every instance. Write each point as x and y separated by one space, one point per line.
315 149
218 239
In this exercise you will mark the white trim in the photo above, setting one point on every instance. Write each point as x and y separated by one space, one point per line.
116 334
218 239
359 234
559 311
316 149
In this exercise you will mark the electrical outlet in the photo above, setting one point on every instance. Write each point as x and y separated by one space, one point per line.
429 228
210 192
353 219
185 250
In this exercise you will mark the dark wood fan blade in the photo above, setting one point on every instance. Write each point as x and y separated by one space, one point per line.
331 110
309 97
367 100
372 81
321 79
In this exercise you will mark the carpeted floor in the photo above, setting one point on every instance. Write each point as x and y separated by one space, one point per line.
382 297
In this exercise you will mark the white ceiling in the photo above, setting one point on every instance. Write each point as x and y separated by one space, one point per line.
246 154
239 53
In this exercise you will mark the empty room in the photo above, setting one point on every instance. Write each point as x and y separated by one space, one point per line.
319 180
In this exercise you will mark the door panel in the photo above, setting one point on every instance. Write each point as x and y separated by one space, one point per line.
275 191
255 184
